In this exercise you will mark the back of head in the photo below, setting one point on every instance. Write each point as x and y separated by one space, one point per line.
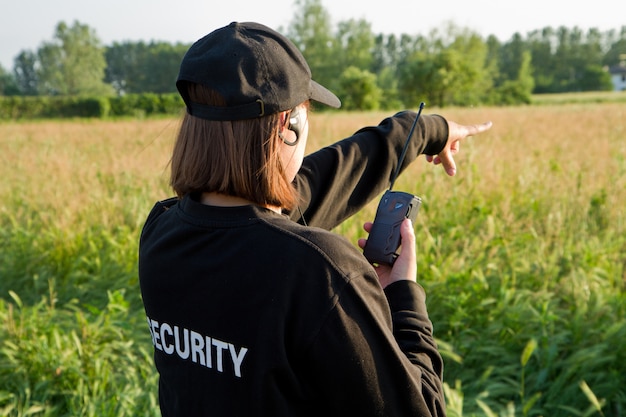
237 158
234 82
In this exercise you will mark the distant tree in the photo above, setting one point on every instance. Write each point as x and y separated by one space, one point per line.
385 59
492 69
447 77
586 58
311 31
519 89
595 78
510 58
416 79
73 63
473 79
25 73
137 67
568 60
542 45
358 90
380 59
617 50
161 66
356 42
8 87
387 80
449 69
121 59
414 70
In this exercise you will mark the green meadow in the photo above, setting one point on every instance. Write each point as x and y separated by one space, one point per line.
522 255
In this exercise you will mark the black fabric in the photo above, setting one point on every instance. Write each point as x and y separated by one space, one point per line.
255 69
337 181
252 313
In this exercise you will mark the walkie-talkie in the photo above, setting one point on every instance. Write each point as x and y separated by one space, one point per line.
394 207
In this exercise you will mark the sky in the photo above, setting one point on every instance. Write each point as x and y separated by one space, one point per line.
26 24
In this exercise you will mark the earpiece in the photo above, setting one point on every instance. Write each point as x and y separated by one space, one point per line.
294 126
294 122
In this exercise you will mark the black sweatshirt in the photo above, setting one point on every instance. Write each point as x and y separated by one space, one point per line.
254 314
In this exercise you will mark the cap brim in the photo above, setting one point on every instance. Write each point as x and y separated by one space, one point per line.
322 95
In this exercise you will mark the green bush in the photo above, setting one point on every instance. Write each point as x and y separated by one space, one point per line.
16 107
51 107
147 104
98 107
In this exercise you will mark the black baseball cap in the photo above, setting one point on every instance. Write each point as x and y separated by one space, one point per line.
255 69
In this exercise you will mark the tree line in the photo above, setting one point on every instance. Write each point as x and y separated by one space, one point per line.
368 71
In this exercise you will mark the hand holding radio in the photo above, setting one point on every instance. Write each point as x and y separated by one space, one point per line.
405 267
385 238
394 207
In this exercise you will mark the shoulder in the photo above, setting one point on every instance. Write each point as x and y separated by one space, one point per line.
159 208
332 250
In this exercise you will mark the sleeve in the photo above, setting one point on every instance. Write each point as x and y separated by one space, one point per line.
337 181
412 327
369 362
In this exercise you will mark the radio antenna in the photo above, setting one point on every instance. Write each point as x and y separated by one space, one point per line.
406 146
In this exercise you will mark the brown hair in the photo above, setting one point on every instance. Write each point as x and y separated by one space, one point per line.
236 158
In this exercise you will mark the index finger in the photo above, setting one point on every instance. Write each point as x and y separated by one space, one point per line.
478 128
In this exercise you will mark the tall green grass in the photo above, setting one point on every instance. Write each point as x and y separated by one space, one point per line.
522 255
73 336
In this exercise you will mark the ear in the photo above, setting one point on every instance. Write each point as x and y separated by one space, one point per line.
284 119
290 120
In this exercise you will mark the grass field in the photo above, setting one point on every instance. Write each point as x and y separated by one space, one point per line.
522 255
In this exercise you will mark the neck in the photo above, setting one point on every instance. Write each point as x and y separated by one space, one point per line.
223 200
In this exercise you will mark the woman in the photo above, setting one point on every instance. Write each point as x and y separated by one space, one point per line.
254 307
